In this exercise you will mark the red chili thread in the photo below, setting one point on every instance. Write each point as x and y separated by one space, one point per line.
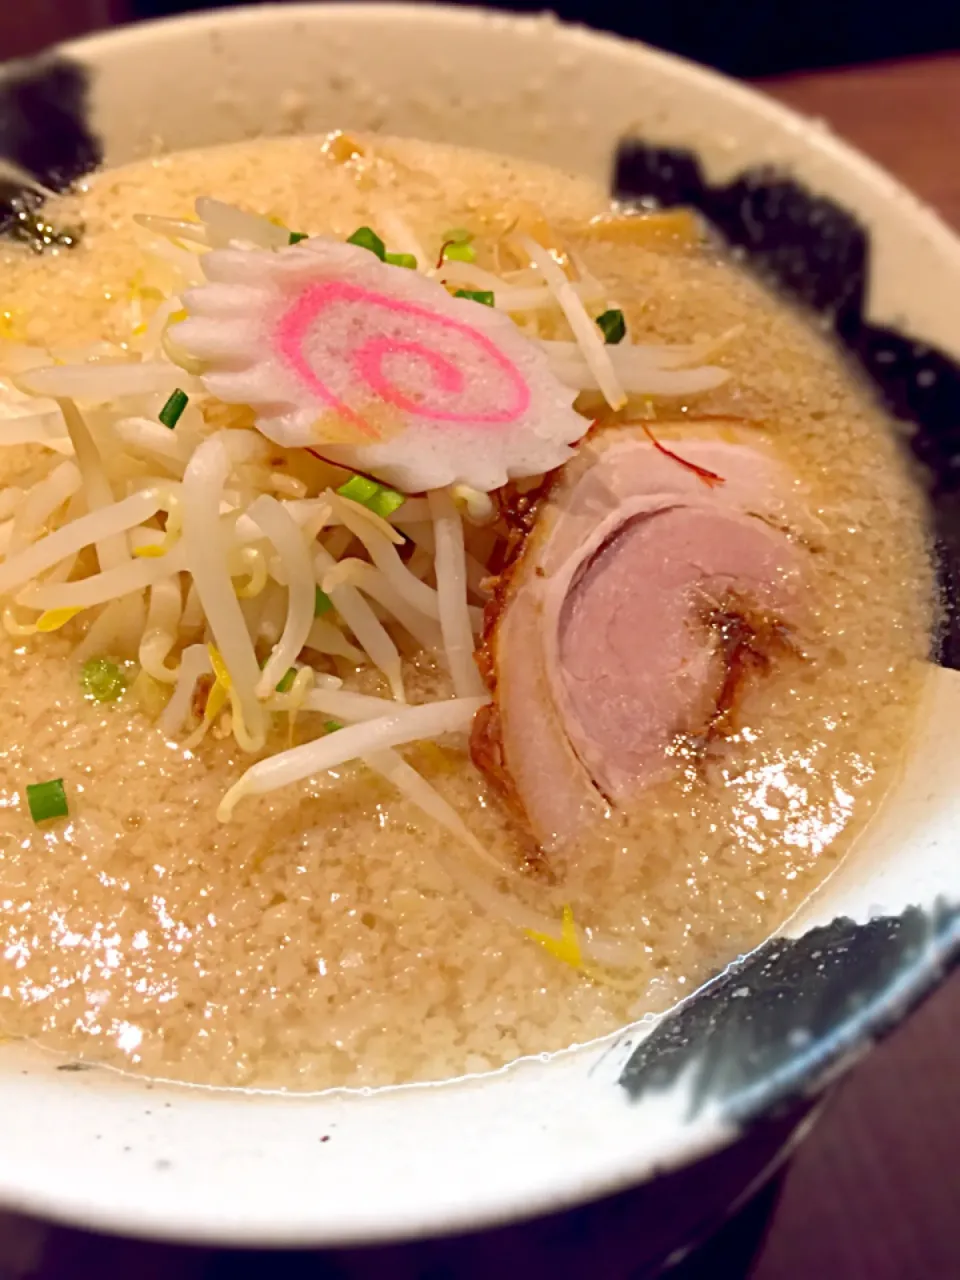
709 478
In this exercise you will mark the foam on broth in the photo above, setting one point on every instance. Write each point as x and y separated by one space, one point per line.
314 941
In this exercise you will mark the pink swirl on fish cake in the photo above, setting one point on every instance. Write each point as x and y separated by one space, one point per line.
372 353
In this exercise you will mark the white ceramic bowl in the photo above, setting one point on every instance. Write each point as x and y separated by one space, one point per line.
95 1148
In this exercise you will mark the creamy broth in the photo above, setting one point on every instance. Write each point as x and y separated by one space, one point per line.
316 940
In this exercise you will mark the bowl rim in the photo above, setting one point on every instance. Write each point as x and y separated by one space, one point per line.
91 46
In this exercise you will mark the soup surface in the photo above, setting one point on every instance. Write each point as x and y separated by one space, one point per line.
317 938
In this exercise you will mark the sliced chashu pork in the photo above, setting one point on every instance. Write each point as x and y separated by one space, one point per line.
644 593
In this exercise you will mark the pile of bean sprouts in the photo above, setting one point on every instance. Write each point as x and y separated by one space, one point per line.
232 574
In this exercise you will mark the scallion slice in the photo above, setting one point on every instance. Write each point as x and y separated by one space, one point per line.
321 603
456 246
367 238
613 327
286 681
401 260
378 498
476 295
47 800
460 251
169 415
331 726
102 680
297 236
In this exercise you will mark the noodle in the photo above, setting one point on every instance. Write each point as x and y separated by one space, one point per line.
452 593
282 531
405 725
205 553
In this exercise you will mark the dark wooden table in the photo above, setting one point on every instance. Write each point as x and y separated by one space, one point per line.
874 1194
905 115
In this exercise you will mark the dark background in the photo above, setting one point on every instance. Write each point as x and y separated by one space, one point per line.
741 37
745 37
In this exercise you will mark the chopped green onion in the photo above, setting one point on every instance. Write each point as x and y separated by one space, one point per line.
376 497
476 295
286 683
401 260
456 246
331 726
169 415
47 800
358 489
613 327
297 236
367 238
460 252
102 680
321 603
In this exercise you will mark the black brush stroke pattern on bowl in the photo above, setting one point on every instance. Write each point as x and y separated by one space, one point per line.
817 254
772 1026
768 1029
45 131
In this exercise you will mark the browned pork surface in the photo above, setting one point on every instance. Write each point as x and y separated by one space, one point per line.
657 578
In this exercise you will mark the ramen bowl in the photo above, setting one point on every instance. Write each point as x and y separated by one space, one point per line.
690 1107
